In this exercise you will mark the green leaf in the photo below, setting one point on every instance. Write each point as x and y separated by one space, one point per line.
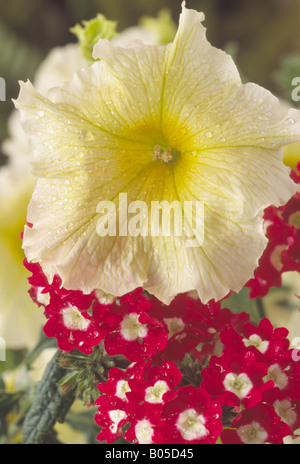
240 302
50 405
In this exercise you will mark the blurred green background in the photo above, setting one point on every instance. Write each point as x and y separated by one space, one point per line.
261 34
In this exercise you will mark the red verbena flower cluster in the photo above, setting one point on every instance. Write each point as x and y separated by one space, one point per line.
282 228
67 312
258 375
247 391
145 397
247 370
255 378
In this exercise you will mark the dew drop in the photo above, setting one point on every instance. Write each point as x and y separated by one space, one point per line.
82 134
85 135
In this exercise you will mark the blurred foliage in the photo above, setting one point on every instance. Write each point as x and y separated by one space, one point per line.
284 76
90 32
164 25
263 33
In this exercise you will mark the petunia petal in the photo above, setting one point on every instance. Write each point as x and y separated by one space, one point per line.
204 96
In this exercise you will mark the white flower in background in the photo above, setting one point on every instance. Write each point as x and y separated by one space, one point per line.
151 31
136 34
20 320
95 137
58 67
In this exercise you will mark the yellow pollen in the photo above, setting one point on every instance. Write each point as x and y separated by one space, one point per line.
190 423
252 434
237 385
162 154
271 376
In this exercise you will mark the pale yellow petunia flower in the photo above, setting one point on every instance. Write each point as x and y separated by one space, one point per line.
220 143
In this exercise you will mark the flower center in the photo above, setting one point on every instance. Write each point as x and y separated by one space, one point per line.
144 432
104 298
154 394
191 425
164 154
279 378
73 319
252 433
285 410
240 384
122 389
175 325
132 329
256 341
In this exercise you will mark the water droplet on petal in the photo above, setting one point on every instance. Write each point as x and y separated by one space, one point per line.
85 135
